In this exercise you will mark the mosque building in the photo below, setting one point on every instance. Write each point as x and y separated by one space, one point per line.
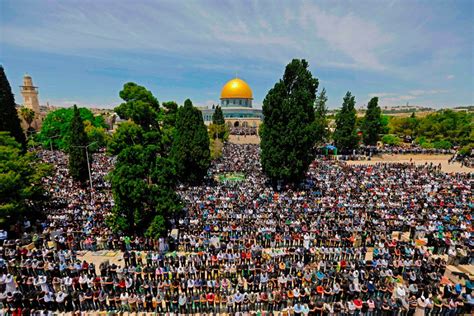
236 103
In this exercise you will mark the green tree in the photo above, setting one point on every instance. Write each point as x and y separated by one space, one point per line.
345 134
21 189
321 121
28 115
144 178
78 168
454 127
391 140
372 123
216 147
170 112
9 120
140 106
190 149
55 127
218 131
97 135
218 116
288 132
404 126
449 125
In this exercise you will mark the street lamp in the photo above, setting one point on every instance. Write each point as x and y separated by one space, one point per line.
88 165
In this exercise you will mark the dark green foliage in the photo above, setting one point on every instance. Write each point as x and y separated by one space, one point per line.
170 112
454 127
384 121
449 125
345 135
218 129
20 181
288 131
466 150
321 122
76 148
391 140
143 180
372 123
218 116
140 106
190 149
9 120
404 126
442 144
55 127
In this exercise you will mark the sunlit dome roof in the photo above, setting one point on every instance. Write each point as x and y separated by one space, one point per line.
236 89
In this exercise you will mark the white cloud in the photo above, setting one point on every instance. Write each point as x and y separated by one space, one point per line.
350 34
199 29
450 77
392 98
381 94
426 92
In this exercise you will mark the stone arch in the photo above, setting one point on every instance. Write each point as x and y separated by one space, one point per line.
236 124
245 124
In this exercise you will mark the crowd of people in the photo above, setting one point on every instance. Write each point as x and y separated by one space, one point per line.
350 240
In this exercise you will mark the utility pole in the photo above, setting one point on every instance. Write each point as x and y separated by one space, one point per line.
88 164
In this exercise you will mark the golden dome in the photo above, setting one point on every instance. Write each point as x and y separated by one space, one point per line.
236 89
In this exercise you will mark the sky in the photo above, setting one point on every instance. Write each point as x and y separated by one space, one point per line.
82 52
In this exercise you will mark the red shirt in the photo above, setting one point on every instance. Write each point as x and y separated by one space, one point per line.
210 297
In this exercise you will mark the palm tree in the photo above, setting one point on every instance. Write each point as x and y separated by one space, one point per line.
28 115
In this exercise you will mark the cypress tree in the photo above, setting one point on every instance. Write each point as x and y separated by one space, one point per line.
9 120
218 116
345 135
321 122
190 150
372 124
288 133
77 151
217 128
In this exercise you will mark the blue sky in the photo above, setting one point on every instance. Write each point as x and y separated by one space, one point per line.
83 52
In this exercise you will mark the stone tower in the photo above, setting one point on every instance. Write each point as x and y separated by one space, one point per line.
30 94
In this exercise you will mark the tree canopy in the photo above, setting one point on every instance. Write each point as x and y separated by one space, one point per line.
9 120
56 128
372 123
143 180
78 140
20 177
288 131
436 130
321 122
218 116
190 150
140 106
345 135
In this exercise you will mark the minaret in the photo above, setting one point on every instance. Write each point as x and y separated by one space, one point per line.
30 94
